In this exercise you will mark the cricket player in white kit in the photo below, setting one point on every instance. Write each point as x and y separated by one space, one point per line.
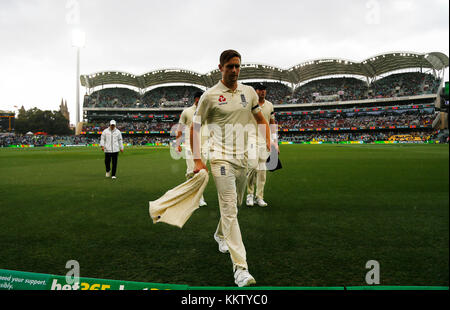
228 108
256 175
185 125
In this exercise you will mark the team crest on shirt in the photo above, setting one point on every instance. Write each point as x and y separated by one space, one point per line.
243 100
222 100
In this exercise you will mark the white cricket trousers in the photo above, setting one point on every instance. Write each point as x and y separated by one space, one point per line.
256 174
230 182
256 177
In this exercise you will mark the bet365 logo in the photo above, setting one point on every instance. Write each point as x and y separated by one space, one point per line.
84 286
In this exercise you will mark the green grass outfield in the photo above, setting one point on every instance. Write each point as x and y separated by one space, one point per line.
332 209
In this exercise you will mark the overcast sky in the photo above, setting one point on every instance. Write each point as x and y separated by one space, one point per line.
38 62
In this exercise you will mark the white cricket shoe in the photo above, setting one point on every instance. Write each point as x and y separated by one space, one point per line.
249 201
108 174
202 202
260 202
243 278
223 247
114 177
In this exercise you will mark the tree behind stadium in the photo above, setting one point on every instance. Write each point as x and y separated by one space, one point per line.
36 120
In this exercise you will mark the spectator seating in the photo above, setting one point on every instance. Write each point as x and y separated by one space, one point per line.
170 96
277 92
323 119
404 84
112 98
332 89
320 90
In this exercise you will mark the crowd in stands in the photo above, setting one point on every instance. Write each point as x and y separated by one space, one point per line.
143 140
404 84
166 96
133 126
333 89
277 92
348 89
395 85
112 98
406 117
410 118
364 137
41 140
170 96
321 90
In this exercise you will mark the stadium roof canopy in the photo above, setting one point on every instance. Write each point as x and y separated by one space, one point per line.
370 68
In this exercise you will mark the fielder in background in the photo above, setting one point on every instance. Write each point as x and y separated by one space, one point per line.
256 175
228 108
111 143
184 125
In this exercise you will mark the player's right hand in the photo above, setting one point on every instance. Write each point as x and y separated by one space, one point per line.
276 147
269 146
179 149
199 165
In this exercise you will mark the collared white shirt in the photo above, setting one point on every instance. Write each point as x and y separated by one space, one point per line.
186 118
229 117
268 112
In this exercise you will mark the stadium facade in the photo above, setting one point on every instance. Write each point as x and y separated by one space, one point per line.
385 96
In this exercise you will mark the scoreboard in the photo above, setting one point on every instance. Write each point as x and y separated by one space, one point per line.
6 121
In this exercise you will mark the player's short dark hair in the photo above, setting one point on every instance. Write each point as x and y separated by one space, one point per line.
260 86
198 94
227 55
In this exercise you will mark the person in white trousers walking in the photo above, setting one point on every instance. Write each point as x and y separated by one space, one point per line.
185 125
227 108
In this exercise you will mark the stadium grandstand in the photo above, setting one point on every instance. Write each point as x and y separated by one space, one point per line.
385 96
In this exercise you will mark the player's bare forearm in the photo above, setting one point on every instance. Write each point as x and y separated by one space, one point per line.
195 147
274 133
178 136
177 140
191 139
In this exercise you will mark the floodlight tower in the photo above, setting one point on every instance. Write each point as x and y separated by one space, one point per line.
78 41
